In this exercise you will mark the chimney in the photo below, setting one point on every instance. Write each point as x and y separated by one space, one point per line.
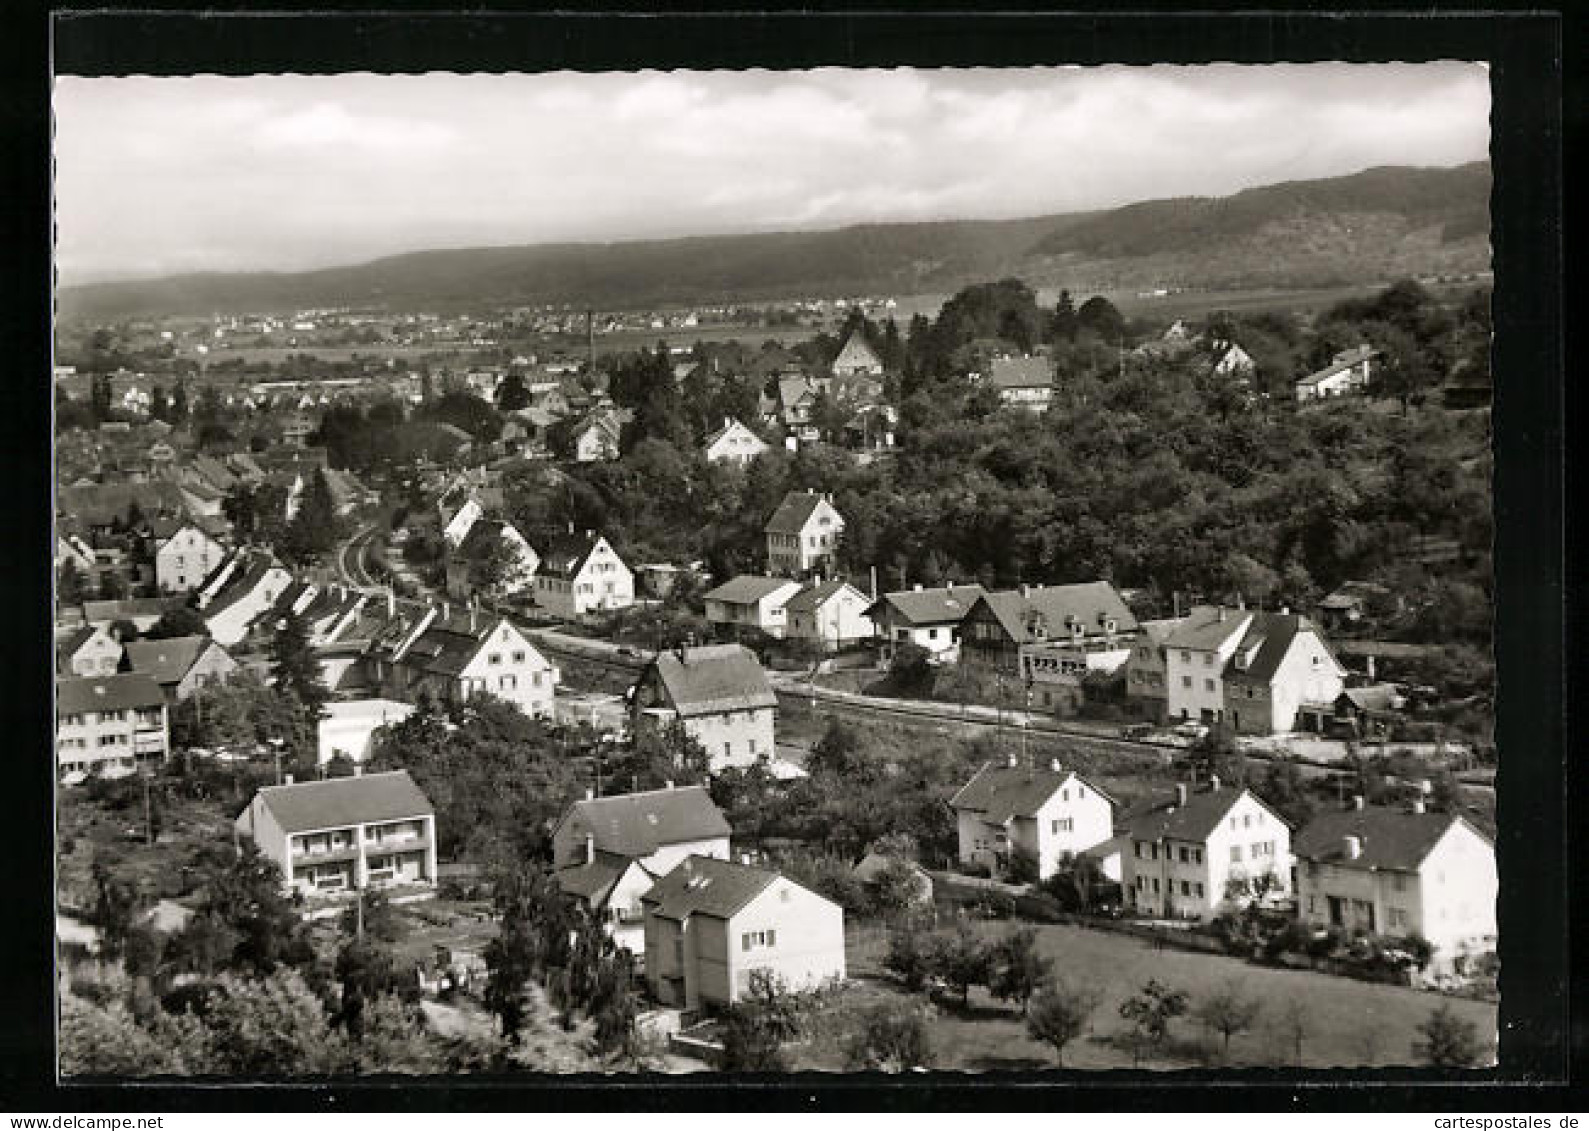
1426 787
1371 676
916 588
1419 806
1213 783
1180 793
746 859
1354 847
474 610
358 769
446 611
1010 761
590 794
1222 614
1055 766
590 849
667 785
1026 590
1357 801
1285 610
286 779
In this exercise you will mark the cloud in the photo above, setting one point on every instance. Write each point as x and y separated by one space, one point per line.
291 171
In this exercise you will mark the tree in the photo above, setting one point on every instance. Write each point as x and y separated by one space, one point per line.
181 621
1229 1012
1066 324
1060 1013
1099 317
512 394
71 587
911 669
244 895
749 1044
273 1026
118 905
962 960
1448 1041
312 532
1018 971
889 1037
1150 1012
294 668
895 888
1293 1027
909 959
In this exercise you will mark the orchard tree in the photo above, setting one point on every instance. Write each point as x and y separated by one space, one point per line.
1229 1011
1448 1041
1017 970
1059 1013
1150 1012
890 1037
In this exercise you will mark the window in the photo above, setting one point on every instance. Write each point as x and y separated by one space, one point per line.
1064 825
753 747
728 749
518 657
1064 795
509 681
1398 918
1186 681
1186 658
1208 659
1246 821
1398 882
1235 854
1186 856
1138 846
750 940
1198 888
1208 685
1155 886
1186 888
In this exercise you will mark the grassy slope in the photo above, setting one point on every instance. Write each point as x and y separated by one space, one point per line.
991 1035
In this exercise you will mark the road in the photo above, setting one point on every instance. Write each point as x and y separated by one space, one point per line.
349 559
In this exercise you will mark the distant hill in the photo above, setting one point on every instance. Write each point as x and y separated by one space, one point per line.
1378 224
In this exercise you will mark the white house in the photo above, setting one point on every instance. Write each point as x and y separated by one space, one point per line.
347 727
345 834
751 601
88 650
710 925
857 359
184 557
1348 372
720 695
609 851
1399 872
1044 815
929 618
803 534
1233 361
582 574
111 724
733 443
512 573
453 657
831 614
1192 855
246 584
1282 677
1023 382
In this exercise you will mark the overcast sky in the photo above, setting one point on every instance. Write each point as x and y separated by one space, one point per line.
157 175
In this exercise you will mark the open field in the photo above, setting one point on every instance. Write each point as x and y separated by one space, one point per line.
1349 1023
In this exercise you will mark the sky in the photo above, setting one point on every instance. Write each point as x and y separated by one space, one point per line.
158 176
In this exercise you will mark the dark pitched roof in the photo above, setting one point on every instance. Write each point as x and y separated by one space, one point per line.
1267 640
794 512
943 605
637 824
812 596
166 661
1206 628
1002 792
747 589
336 802
107 693
710 680
97 611
1164 818
1089 604
566 556
703 885
1020 372
73 642
593 881
1395 839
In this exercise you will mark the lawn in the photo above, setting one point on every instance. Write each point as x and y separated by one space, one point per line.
1350 1023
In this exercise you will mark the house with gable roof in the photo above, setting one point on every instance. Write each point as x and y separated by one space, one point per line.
1023 382
720 695
856 358
486 539
1195 853
88 650
180 664
711 925
1146 676
929 618
1348 372
830 614
453 656
1399 872
581 574
607 852
751 601
1002 628
1044 814
110 724
803 534
184 555
340 835
733 443
246 583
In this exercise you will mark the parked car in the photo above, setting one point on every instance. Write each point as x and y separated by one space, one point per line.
1190 729
1136 730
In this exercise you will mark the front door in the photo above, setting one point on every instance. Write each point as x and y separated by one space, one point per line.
1337 910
